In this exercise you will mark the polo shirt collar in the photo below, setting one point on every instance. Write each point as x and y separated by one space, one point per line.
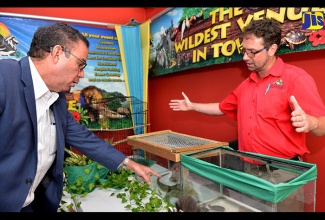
275 70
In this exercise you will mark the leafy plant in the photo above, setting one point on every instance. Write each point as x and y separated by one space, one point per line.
137 196
77 189
64 207
135 193
76 159
80 115
74 190
117 180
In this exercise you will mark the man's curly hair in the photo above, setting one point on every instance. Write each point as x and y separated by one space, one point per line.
268 29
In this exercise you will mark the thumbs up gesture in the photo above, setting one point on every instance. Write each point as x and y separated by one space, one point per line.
300 120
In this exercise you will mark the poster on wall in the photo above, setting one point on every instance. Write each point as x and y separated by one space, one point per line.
187 38
103 75
104 68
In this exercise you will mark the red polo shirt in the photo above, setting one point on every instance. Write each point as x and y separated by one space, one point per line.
263 111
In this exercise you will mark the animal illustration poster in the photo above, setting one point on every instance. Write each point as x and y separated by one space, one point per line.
185 38
99 100
104 67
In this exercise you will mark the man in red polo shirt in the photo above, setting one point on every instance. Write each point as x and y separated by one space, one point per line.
270 120
274 107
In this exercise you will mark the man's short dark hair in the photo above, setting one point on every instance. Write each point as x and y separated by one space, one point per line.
48 36
268 29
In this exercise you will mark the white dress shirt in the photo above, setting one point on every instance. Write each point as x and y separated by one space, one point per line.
46 130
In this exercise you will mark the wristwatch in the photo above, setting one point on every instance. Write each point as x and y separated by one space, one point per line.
124 163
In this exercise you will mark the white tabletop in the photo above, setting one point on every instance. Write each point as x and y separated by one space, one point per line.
101 200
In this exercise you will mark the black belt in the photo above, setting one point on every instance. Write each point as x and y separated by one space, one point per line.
295 158
264 169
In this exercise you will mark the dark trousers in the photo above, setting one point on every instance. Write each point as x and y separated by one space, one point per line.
27 208
39 202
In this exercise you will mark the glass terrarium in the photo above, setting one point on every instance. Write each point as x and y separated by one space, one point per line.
162 151
223 180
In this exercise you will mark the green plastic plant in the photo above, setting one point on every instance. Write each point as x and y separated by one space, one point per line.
77 189
138 196
135 195
68 208
76 159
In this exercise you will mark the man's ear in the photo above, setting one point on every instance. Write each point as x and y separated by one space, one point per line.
55 53
272 50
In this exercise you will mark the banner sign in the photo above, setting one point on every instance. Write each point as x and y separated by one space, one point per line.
104 69
187 38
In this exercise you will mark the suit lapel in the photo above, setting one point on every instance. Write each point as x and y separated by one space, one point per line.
26 78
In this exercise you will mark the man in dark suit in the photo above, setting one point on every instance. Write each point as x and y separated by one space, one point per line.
35 125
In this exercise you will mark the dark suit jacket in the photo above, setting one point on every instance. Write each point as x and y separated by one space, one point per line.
18 140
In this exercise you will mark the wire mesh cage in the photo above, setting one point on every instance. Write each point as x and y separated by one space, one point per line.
114 119
165 146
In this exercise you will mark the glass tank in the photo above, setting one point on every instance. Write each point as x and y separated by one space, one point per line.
223 180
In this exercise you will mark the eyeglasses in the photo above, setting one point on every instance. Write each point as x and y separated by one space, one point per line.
251 54
83 63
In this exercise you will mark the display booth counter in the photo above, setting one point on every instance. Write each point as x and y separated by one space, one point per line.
102 200
217 177
99 200
217 186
